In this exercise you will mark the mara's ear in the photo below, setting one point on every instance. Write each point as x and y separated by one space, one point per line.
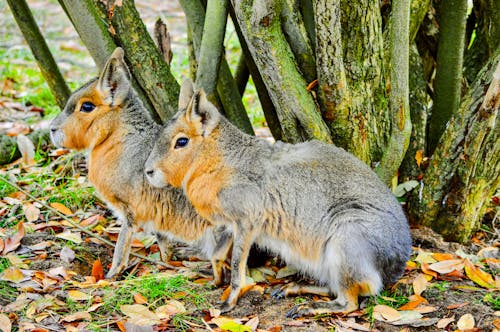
187 91
202 113
114 81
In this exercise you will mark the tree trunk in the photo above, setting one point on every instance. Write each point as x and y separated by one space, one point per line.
40 50
448 82
351 79
227 89
464 171
398 99
261 26
144 58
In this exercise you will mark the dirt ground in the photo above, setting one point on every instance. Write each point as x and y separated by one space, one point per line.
462 297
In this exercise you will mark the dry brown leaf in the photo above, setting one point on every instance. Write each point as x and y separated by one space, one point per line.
496 322
444 322
2 245
73 237
415 301
425 269
140 299
140 314
91 221
67 255
12 274
5 324
466 322
76 295
80 315
253 323
61 208
478 276
171 308
31 212
97 270
11 243
424 257
443 256
457 305
419 284
447 266
385 313
419 155
425 309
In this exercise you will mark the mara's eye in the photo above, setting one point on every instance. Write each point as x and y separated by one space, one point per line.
181 142
87 107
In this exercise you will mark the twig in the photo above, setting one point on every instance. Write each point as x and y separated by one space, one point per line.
86 231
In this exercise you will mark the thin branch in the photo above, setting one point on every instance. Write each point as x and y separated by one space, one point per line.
398 98
212 47
40 50
242 74
86 231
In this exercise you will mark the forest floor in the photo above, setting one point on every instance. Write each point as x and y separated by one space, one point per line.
52 257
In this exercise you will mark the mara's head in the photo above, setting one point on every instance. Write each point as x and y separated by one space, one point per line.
187 140
90 114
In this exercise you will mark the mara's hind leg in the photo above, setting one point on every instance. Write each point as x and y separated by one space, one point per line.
219 257
166 247
292 288
346 301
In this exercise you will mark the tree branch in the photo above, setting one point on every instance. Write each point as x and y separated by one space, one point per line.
398 98
40 50
448 82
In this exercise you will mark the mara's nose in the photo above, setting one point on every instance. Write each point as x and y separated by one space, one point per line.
53 129
149 172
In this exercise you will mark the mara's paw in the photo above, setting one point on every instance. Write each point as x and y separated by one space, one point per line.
226 307
321 308
113 273
292 289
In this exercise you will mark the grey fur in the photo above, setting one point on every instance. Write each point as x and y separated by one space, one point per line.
316 205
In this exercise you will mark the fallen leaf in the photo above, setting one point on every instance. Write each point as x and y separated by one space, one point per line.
466 322
61 208
286 272
478 276
425 269
172 307
419 284
253 323
5 324
140 314
67 255
31 212
2 245
73 237
232 326
11 243
425 309
91 221
385 313
77 295
424 257
457 305
16 261
419 155
97 270
12 274
443 256
444 322
80 315
140 299
447 266
415 301
27 149
94 307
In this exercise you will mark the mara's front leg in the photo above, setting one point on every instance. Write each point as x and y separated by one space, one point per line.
122 249
242 242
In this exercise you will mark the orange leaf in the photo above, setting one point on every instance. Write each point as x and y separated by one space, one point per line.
419 155
457 305
61 208
97 270
443 256
12 242
447 266
312 85
140 299
425 269
496 322
137 244
415 301
478 276
121 326
1 245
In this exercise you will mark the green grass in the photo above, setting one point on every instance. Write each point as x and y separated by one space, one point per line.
442 286
493 300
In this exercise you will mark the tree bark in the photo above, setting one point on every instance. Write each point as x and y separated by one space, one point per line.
398 98
212 47
296 34
419 106
40 50
464 171
227 89
448 82
145 60
94 33
261 26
